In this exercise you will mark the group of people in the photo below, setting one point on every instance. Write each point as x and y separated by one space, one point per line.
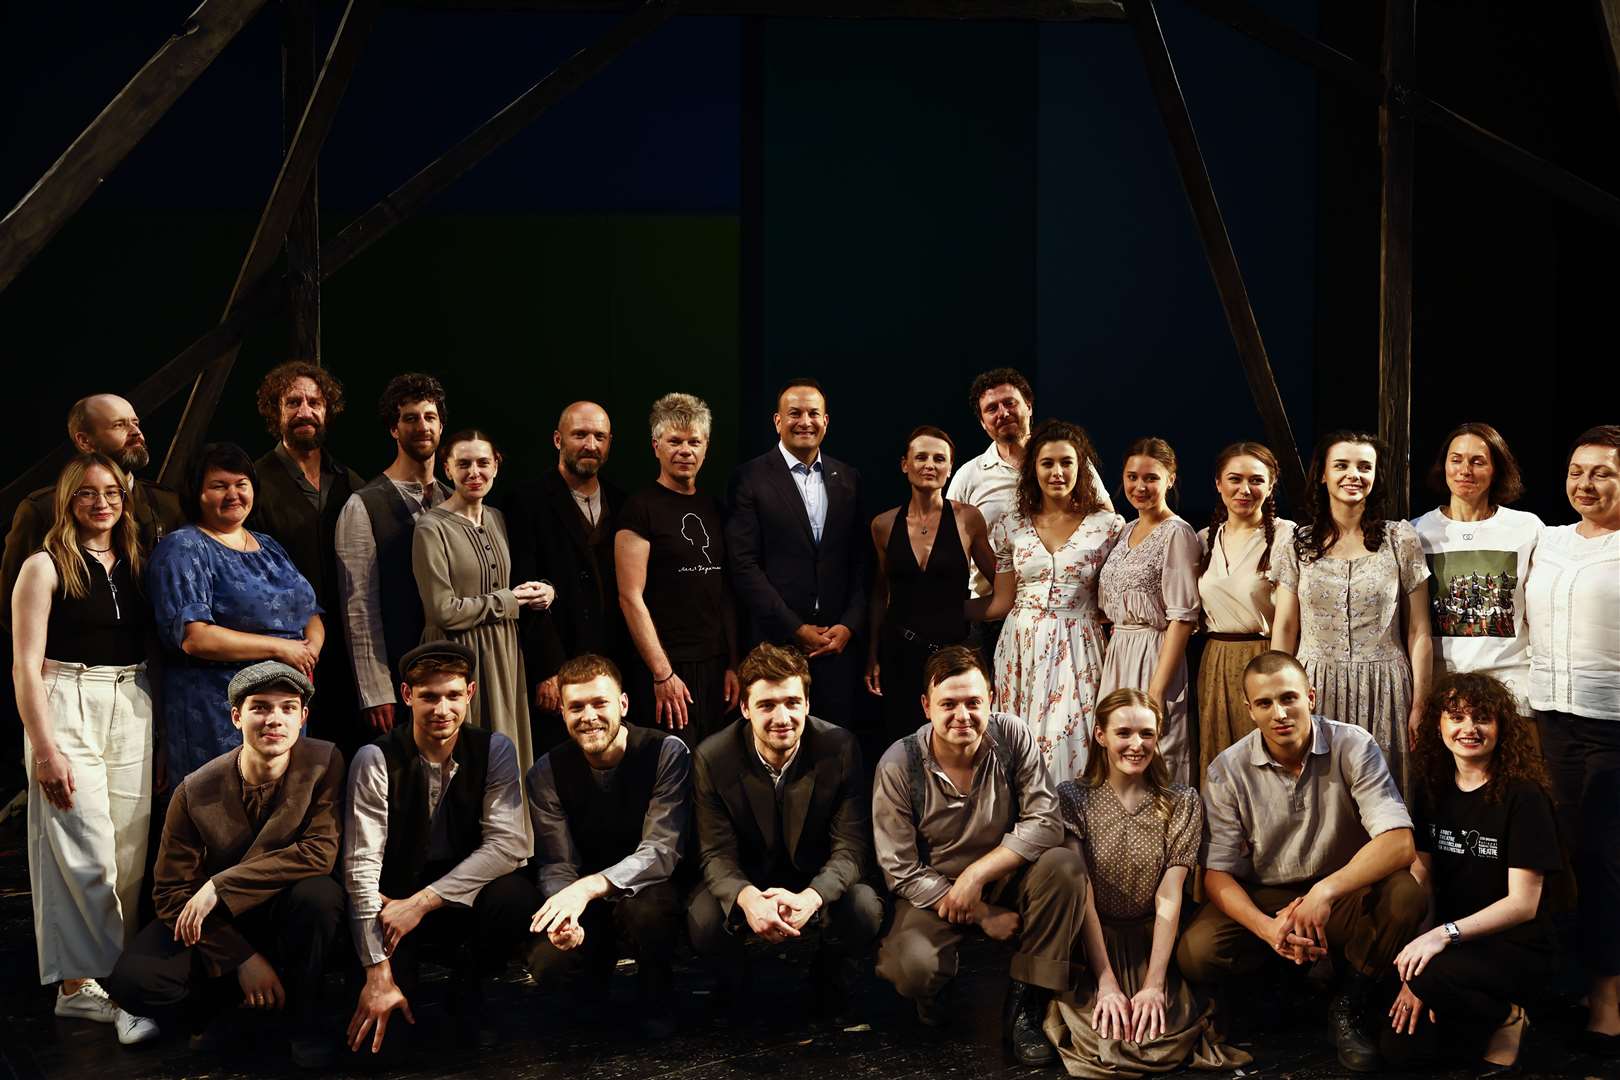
360 682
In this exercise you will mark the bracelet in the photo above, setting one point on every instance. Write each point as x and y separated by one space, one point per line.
665 679
42 761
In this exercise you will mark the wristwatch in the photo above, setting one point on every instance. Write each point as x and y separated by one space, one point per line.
1453 935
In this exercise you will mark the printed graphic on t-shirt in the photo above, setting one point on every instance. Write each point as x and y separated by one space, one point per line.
1470 842
694 532
1473 593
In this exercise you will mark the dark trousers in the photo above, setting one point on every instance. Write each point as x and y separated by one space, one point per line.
919 954
481 939
706 713
1368 927
847 927
645 926
901 662
1583 762
1472 987
159 977
834 683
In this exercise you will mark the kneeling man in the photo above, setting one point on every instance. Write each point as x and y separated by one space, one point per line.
243 883
1306 850
784 832
968 834
434 839
609 808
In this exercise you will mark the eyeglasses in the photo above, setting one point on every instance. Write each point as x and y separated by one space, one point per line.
88 496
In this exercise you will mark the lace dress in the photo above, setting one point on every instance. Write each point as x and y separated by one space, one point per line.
1049 657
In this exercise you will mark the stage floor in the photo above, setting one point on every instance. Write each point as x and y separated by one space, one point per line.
539 1044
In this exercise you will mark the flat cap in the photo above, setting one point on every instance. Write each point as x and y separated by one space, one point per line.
267 674
440 650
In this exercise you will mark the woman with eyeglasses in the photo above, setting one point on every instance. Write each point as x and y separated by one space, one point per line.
78 662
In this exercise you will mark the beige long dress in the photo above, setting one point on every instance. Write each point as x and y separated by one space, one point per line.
1127 854
463 572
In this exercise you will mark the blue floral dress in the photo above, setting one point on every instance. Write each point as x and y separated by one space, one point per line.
194 578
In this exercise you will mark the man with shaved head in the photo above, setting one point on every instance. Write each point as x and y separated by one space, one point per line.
107 424
561 528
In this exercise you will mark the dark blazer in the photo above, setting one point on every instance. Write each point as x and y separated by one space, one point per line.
828 813
549 543
779 572
156 509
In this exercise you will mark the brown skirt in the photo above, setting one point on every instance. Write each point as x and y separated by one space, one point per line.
1223 718
1190 1038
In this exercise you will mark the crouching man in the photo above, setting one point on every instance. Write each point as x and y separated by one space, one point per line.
609 808
968 835
246 904
435 836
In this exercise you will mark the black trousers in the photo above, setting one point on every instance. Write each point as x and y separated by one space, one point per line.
170 982
1472 987
645 925
1583 762
706 713
481 939
847 927
901 661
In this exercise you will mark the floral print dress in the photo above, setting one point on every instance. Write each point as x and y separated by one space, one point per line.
1049 658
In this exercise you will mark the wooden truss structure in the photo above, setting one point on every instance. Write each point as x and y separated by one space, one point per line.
290 219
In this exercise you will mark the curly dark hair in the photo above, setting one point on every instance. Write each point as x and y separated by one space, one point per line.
280 377
1001 376
1506 483
1313 538
403 390
1517 757
1083 499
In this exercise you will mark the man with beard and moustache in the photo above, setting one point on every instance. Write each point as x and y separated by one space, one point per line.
609 807
1004 405
301 491
561 530
105 424
784 829
381 606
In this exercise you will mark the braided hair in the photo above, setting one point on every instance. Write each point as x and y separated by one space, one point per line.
1268 509
1313 539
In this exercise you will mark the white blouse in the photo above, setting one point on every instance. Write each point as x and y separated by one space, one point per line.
1574 602
1237 597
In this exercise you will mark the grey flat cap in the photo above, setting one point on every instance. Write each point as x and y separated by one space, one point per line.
440 650
265 675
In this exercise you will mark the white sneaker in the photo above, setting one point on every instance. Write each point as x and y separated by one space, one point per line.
89 1003
133 1030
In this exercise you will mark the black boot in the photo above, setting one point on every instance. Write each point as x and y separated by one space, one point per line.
833 980
1021 1025
1357 1052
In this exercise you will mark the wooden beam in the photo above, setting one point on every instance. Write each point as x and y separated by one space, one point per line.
1017 10
286 196
1251 21
99 149
299 65
1609 14
1223 262
1395 139
490 136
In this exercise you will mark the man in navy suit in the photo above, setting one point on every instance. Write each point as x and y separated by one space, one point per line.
799 550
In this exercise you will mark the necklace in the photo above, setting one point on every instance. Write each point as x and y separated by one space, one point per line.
98 551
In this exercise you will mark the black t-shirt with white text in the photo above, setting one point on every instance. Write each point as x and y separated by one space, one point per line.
1474 841
686 587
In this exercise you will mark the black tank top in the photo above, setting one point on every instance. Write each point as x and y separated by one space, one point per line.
106 628
927 601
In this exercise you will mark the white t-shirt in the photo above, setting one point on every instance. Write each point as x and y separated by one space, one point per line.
1574 604
1476 600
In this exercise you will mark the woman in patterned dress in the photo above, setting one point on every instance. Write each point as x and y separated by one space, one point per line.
1139 834
1342 588
1049 549
1149 591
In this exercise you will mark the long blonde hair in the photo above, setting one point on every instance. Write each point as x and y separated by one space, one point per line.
62 540
1157 776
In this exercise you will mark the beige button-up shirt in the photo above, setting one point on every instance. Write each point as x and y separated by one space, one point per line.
1266 827
957 828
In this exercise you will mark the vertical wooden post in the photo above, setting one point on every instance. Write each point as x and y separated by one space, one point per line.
1395 138
298 67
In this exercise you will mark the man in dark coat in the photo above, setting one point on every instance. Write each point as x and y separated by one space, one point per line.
784 832
302 489
800 548
561 529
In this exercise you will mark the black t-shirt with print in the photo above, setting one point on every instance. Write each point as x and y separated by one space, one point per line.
686 587
1474 841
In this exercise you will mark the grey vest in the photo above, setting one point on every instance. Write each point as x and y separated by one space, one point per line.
392 526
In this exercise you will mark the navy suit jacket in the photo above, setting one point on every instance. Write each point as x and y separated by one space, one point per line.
782 577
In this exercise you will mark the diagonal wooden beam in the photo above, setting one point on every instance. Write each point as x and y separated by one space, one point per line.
1223 264
286 198
100 148
490 136
1395 142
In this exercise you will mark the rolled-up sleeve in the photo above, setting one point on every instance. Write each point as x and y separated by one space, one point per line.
364 839
1038 826
907 876
1373 788
1178 580
1225 847
506 844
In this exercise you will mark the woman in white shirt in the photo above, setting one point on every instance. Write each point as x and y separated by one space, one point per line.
1479 553
1574 604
